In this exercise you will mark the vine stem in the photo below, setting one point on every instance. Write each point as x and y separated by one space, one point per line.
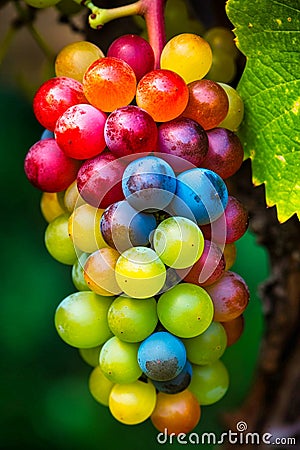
151 10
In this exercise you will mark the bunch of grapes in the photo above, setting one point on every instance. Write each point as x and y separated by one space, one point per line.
133 165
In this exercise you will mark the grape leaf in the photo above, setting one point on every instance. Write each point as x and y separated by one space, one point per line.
268 34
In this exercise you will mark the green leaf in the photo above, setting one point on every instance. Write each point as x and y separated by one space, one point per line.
268 33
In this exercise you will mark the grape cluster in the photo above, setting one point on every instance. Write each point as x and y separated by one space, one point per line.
133 165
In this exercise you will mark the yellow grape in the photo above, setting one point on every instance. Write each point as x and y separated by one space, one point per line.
84 228
235 112
50 206
72 198
187 54
74 59
100 386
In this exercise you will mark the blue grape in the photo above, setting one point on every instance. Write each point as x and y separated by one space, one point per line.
149 183
162 356
177 384
47 134
201 195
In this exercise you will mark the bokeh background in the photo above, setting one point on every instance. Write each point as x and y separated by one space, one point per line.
44 397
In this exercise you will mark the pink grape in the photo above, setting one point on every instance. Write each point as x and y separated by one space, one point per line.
208 269
54 97
130 130
48 168
79 131
99 180
135 51
230 296
234 222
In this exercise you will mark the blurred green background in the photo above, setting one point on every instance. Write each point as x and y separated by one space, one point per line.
45 402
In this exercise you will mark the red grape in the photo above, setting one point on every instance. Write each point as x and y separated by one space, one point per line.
79 131
54 97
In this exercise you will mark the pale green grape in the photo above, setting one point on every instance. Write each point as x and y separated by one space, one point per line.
78 273
187 54
58 241
41 3
235 112
178 242
118 361
221 39
140 273
210 382
81 319
208 346
186 310
132 320
223 67
100 386
132 403
91 355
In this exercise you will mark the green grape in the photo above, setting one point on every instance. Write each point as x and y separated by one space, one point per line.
78 273
81 319
235 112
132 403
74 59
140 273
222 39
84 228
100 386
208 346
118 361
186 310
178 242
210 382
187 54
68 7
90 355
223 67
41 3
132 320
58 241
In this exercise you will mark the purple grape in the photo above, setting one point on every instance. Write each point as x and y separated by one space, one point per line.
184 138
134 50
130 130
99 180
123 227
225 152
149 183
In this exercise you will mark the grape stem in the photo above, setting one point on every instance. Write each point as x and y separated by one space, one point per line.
151 10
